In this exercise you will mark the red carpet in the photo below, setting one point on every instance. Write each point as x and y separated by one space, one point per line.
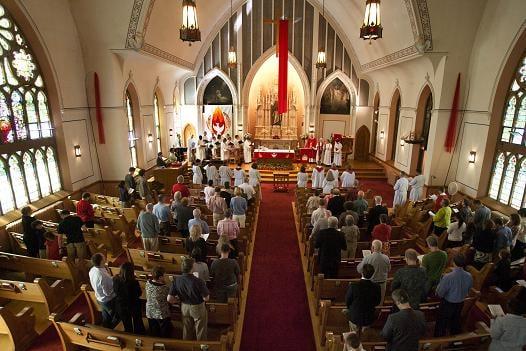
277 313
379 187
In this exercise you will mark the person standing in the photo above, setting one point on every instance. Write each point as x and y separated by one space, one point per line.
181 187
71 226
254 176
239 206
212 174
127 302
361 298
320 212
337 153
327 153
302 178
192 293
200 152
148 226
218 206
373 216
412 279
205 229
225 174
160 162
248 190
401 186
85 211
452 290
102 284
319 150
403 329
184 213
161 210
229 227
157 307
195 241
348 178
352 235
29 236
330 243
381 265
382 232
142 185
239 175
434 262
318 175
329 182
209 191
39 233
417 187
335 203
503 236
197 174
442 219
124 195
129 180
360 205
455 233
226 275
247 151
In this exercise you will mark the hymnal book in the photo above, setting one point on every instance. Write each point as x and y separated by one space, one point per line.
196 274
431 213
496 311
455 210
131 190
205 236
522 282
420 258
366 253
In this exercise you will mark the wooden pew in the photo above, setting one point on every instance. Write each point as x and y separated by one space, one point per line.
73 274
111 240
480 278
76 333
17 330
147 260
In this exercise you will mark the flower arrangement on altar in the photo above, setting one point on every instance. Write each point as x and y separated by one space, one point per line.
304 136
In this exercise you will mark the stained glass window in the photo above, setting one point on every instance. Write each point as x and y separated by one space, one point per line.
52 167
508 182
7 203
31 177
156 120
18 181
132 140
43 174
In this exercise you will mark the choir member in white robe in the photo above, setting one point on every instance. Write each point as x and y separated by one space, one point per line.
335 173
302 178
327 154
318 174
417 187
225 173
212 174
190 151
337 154
247 151
239 175
225 153
201 149
197 177
329 183
401 187
319 151
348 178
254 178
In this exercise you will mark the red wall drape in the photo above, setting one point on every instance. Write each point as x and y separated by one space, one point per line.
283 52
98 109
449 143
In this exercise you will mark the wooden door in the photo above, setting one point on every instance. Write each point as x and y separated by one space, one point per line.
188 131
362 139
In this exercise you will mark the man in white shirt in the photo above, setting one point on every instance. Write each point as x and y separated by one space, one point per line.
209 191
248 189
321 212
102 284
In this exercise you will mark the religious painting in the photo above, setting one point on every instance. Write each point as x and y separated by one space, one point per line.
276 117
217 93
336 99
218 119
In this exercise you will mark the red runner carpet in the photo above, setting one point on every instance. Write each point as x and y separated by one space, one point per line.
277 314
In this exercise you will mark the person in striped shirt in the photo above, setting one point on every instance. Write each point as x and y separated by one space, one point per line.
229 227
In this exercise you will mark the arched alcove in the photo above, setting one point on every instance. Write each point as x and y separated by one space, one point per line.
134 131
376 111
394 120
424 111
159 121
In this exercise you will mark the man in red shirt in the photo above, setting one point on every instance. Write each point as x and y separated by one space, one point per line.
180 186
382 232
85 211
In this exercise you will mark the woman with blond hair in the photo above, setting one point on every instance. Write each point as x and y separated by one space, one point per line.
196 241
329 183
223 239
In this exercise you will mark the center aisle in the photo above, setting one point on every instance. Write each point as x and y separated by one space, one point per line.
277 313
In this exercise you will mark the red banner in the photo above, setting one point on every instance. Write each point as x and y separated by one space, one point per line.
283 50
449 143
98 109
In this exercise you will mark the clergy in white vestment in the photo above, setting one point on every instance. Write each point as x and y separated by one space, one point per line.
329 183
225 152
225 173
417 187
335 173
327 154
318 174
337 153
253 175
348 178
247 151
212 174
302 178
239 175
201 149
319 150
401 187
197 177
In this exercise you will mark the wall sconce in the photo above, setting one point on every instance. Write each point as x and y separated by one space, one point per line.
402 142
78 153
171 132
150 138
382 135
472 156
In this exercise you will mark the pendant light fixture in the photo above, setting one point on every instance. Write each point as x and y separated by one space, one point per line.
189 30
232 55
372 24
321 60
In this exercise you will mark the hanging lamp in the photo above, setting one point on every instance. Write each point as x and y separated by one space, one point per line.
189 30
372 24
321 59
232 55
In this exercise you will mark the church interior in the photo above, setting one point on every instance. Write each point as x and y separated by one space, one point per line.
262 175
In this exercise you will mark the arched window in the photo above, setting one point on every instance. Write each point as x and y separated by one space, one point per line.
156 121
508 182
28 165
395 130
132 139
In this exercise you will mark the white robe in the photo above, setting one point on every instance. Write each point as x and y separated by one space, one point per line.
348 179
225 174
197 177
201 150
239 176
225 153
319 152
400 196
417 188
211 174
328 185
338 154
336 174
253 177
317 178
209 192
327 154
302 179
247 151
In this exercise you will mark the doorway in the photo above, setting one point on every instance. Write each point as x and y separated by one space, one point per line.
188 131
362 140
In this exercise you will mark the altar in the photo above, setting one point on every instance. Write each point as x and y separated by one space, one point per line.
275 159
276 144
